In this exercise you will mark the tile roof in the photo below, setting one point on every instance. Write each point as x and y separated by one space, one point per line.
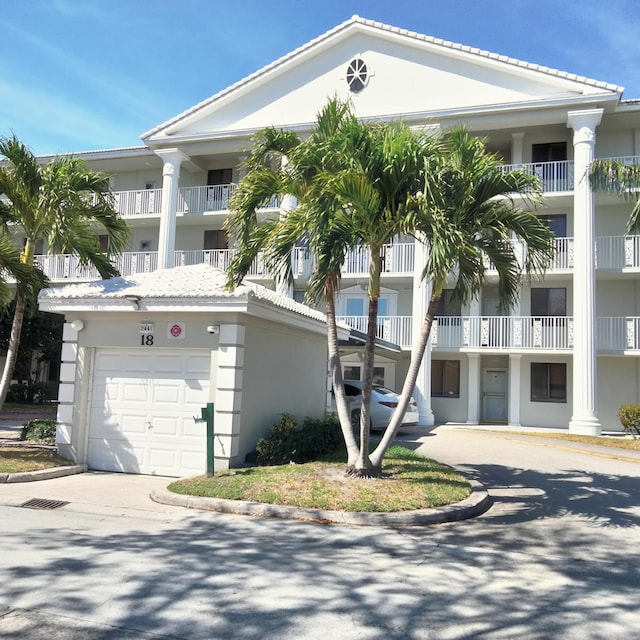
192 282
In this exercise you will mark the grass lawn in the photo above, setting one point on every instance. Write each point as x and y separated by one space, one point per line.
26 409
16 459
409 481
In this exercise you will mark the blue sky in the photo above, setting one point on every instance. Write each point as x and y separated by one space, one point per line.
93 74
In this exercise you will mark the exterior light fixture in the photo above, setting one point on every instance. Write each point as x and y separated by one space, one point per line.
77 325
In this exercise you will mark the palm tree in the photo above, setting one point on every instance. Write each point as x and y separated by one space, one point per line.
281 162
466 213
614 176
64 203
386 168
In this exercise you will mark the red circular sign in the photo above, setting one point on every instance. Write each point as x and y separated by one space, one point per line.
176 330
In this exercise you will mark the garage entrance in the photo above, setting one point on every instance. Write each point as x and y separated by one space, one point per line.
142 405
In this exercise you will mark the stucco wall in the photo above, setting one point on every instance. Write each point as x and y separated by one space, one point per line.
544 414
285 370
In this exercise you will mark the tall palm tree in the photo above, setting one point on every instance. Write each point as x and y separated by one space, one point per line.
386 168
469 210
622 179
64 203
281 162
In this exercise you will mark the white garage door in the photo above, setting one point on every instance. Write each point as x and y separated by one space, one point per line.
142 407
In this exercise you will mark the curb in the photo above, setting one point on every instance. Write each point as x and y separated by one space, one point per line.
477 503
42 474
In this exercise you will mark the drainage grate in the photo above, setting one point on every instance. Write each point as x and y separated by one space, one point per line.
41 503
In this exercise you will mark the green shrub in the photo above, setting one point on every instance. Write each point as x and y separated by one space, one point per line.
629 415
39 430
291 442
28 393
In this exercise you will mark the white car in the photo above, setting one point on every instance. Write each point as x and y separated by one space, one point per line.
383 404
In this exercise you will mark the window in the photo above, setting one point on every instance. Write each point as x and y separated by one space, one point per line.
378 376
215 239
548 382
357 75
557 224
445 378
548 301
447 305
349 390
219 176
549 152
103 240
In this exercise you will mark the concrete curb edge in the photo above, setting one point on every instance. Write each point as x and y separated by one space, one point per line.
42 474
477 503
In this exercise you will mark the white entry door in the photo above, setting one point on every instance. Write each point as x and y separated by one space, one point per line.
494 395
142 408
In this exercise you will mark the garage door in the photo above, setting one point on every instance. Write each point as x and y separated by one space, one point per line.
142 408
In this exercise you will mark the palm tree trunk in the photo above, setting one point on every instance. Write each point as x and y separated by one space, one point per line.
335 369
364 468
409 382
12 351
16 328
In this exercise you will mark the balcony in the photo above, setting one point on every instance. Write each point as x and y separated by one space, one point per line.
145 203
553 333
394 329
556 177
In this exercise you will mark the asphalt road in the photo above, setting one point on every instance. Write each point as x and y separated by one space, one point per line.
557 556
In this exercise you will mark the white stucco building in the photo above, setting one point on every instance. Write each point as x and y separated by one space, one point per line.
568 355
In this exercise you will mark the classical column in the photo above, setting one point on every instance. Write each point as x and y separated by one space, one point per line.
517 147
421 297
172 159
473 389
584 419
515 362
287 204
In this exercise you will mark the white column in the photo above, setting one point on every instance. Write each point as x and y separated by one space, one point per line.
515 363
421 297
473 389
584 419
517 147
172 159
287 204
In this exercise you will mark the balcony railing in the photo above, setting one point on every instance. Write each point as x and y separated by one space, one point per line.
555 177
134 204
503 332
618 334
394 329
148 202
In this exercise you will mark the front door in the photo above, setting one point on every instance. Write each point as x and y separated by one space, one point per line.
494 395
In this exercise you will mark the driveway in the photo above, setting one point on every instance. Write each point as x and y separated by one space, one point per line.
558 555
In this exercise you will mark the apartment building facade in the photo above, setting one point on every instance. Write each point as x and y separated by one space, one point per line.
568 354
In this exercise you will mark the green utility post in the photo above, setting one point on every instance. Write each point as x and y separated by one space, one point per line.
207 416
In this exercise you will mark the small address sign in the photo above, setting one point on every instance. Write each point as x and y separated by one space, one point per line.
146 334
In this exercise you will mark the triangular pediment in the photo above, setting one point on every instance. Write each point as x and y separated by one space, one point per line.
407 75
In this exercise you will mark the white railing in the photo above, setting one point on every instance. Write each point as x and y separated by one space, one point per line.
618 334
60 268
503 332
148 202
618 252
144 202
554 176
624 159
394 329
205 198
397 258
218 258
